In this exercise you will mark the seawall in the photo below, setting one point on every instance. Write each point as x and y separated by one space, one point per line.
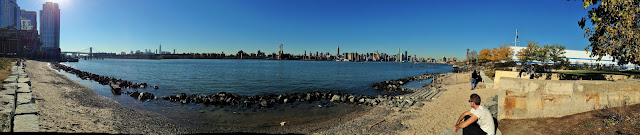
531 98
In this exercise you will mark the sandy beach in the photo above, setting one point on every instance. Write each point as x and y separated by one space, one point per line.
432 118
66 106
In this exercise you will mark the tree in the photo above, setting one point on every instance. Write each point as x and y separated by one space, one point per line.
473 56
556 54
485 55
542 53
615 29
503 53
529 53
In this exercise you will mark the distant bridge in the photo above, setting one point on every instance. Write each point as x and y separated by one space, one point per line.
76 53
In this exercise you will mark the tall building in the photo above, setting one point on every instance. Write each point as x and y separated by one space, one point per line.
398 56
280 52
160 49
50 25
31 16
50 29
9 14
338 52
406 56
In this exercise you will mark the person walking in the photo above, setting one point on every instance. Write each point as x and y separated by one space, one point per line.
474 76
477 121
533 72
523 68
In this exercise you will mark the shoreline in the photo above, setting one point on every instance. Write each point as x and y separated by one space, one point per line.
436 116
65 105
67 83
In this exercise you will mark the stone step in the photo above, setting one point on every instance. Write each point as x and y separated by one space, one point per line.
24 80
7 108
25 98
6 90
23 85
26 109
26 123
24 90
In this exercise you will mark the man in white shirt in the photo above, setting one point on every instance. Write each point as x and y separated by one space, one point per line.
477 121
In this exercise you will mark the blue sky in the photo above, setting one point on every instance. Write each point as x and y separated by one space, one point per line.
432 28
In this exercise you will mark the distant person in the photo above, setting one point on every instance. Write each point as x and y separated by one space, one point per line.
533 72
478 80
523 68
477 121
474 76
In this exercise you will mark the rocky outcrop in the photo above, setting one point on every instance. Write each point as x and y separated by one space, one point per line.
104 80
396 85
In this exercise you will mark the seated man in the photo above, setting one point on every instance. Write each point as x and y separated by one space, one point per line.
477 121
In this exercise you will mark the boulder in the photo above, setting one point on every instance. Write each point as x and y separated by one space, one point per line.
264 103
335 98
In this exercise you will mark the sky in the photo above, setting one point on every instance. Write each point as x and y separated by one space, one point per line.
426 28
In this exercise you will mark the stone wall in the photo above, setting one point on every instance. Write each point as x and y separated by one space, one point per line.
525 98
552 76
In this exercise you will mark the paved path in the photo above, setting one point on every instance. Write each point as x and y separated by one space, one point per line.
17 108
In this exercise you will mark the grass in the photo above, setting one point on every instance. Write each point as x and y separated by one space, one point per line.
592 72
5 69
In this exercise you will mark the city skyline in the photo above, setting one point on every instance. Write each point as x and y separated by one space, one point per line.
355 26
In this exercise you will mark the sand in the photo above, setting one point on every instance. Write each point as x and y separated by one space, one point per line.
66 106
433 118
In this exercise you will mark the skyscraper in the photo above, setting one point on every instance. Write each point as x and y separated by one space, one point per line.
280 52
160 49
9 14
31 16
338 52
50 25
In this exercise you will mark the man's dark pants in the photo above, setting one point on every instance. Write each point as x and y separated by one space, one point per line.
473 129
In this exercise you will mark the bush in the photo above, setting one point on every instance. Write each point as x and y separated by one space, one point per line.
5 63
490 73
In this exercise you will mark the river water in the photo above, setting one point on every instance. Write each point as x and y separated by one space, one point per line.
246 77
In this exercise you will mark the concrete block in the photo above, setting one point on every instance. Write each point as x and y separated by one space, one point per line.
24 90
26 109
10 80
6 112
23 85
24 98
24 80
8 91
26 123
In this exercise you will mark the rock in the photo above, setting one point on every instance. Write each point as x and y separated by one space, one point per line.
283 123
286 100
352 99
335 98
263 103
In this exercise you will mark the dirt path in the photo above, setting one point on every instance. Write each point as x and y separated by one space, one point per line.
64 105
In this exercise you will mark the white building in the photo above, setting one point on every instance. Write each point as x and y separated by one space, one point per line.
577 57
25 24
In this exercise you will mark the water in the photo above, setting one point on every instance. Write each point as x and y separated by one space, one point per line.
247 77
417 84
250 77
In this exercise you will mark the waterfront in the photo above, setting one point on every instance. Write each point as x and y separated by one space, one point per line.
250 77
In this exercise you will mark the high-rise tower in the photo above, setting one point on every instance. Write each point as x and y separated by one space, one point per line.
280 53
9 14
50 25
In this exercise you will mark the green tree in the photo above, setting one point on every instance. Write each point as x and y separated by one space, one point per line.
615 29
542 53
556 54
529 53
